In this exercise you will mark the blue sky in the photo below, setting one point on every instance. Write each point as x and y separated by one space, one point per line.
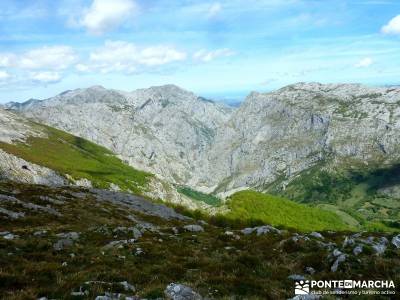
220 49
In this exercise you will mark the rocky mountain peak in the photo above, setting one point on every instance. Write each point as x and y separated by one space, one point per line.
188 140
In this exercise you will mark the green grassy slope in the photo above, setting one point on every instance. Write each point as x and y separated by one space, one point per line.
282 212
354 189
198 196
68 154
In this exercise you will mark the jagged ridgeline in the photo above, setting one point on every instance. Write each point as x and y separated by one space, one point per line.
322 145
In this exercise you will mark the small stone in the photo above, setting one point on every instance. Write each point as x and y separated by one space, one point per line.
310 270
10 236
127 286
396 241
40 233
248 231
379 248
138 251
336 253
338 261
317 235
348 242
358 250
193 228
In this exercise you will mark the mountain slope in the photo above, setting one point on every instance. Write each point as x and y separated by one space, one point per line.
281 142
279 134
74 243
66 157
164 130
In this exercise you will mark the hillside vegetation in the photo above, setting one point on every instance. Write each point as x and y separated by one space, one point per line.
361 195
199 196
68 243
79 158
278 211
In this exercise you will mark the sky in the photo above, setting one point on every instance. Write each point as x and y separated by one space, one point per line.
218 49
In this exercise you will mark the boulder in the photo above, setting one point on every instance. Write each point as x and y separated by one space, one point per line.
348 241
62 244
193 228
176 291
358 250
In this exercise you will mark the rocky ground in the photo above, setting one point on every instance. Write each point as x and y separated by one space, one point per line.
75 243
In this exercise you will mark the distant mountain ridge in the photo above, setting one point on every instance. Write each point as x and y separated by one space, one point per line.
270 142
186 140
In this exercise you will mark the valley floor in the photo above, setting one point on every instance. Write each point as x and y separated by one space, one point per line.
72 243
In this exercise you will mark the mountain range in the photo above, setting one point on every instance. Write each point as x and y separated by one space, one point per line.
332 145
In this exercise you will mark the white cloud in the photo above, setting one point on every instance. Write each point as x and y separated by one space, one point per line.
106 15
6 59
40 65
45 77
127 57
4 75
54 58
206 56
393 27
214 10
364 63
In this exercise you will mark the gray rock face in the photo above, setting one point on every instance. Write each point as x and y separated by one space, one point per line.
176 291
188 140
138 203
164 130
14 128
